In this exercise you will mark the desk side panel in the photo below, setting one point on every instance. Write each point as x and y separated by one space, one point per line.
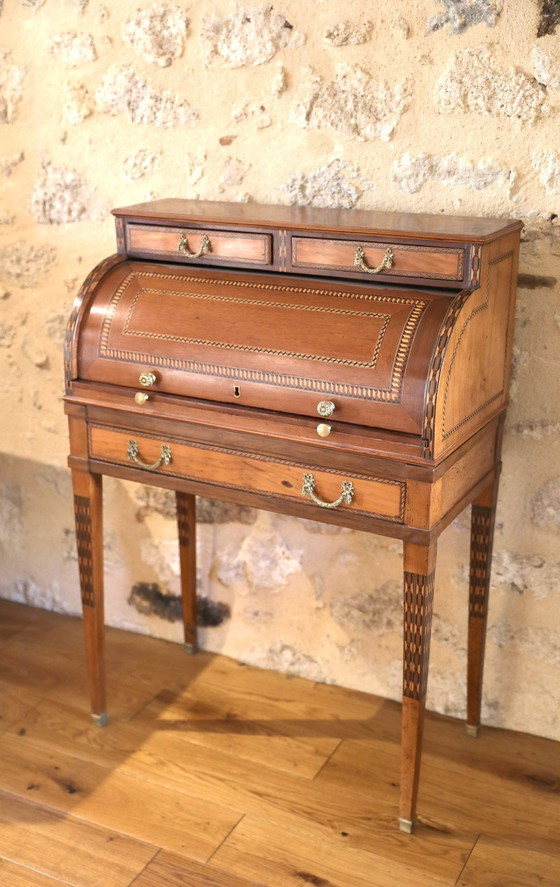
471 384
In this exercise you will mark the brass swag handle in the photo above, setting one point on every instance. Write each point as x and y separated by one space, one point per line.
132 456
360 260
183 247
308 489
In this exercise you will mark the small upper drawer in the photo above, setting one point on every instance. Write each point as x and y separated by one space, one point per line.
372 259
205 245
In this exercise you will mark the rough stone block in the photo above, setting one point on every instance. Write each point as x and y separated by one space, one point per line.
249 36
11 80
345 33
378 609
400 26
77 103
288 659
158 32
463 14
73 49
141 163
337 184
548 168
62 195
545 505
474 82
263 562
123 91
412 171
532 574
234 171
25 263
353 104
546 65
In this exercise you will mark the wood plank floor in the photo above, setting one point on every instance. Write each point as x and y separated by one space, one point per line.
214 774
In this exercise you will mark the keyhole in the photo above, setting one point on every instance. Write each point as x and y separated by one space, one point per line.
236 391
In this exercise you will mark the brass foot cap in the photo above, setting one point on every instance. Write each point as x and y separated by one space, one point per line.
472 729
406 825
191 648
99 720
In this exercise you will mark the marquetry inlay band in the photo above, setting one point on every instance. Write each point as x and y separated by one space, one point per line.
476 258
88 287
434 374
417 628
282 249
183 522
481 543
82 510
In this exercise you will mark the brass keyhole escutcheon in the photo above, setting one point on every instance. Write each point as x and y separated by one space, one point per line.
236 391
147 379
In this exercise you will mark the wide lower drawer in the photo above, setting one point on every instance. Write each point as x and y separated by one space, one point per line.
207 245
284 479
378 258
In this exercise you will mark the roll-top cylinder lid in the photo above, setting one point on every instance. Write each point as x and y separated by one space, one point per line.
253 340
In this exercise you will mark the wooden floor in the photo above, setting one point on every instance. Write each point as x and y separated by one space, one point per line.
214 774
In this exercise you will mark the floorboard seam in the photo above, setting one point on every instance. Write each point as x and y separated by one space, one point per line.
143 869
327 760
471 851
225 838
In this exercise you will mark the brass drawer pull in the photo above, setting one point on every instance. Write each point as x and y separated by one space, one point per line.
325 408
132 456
360 260
308 489
183 247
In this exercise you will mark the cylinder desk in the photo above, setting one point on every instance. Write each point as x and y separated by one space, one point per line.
344 366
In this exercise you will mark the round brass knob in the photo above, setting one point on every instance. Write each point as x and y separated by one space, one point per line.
147 379
325 408
141 397
323 430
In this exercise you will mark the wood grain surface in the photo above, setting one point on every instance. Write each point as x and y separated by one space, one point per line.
197 781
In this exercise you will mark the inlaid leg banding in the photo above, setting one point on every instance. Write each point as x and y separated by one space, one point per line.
89 541
419 568
186 525
483 518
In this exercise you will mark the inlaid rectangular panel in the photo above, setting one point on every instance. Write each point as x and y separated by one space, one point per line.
407 261
179 244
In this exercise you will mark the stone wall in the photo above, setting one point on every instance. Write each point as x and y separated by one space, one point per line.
449 106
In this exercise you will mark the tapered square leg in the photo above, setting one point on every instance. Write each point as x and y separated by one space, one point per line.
483 517
419 569
186 524
89 538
